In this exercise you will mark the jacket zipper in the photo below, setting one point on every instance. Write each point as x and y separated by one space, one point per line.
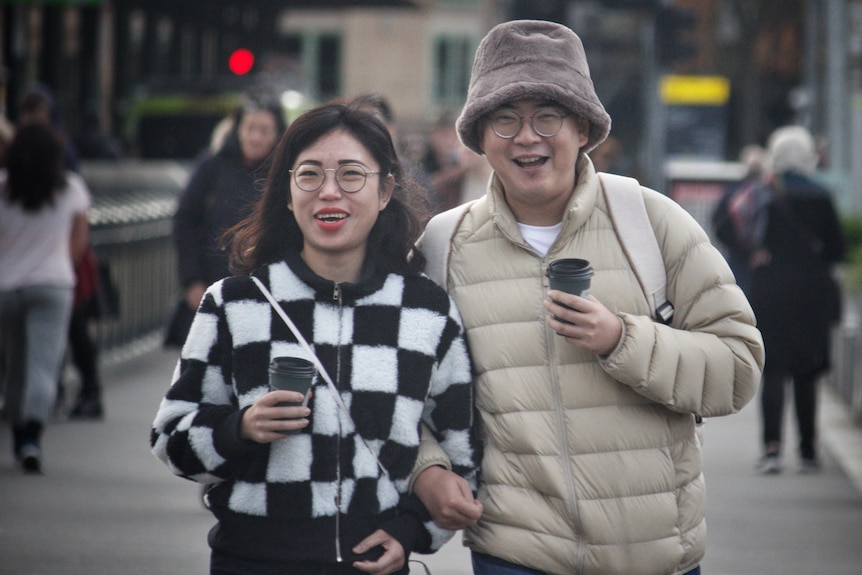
336 297
550 337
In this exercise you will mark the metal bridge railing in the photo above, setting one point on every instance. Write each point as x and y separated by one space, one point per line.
845 377
131 222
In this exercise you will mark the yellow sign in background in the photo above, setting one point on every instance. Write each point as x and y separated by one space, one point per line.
695 90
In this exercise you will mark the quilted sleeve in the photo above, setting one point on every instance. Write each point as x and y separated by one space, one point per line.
709 361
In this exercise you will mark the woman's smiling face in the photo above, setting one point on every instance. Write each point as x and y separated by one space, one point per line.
334 223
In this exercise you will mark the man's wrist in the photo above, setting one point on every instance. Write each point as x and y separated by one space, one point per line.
427 473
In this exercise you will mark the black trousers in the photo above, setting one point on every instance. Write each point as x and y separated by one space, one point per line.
222 564
772 394
85 354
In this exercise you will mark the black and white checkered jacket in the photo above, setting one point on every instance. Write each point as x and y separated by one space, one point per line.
393 344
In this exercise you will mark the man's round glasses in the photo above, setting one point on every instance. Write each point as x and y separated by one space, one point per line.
546 123
349 177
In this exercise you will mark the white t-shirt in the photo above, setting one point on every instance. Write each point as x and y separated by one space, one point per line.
34 246
540 238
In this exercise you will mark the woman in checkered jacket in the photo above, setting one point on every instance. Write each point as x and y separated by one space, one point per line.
332 238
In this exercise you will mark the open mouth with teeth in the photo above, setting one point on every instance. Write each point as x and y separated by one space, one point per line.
331 218
331 221
532 162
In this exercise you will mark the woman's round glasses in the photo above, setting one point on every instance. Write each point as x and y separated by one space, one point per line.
507 124
349 177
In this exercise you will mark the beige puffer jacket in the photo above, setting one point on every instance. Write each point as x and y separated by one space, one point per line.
592 466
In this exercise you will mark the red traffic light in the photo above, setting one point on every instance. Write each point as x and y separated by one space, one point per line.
241 61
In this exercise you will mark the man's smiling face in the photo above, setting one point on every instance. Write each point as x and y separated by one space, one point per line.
535 169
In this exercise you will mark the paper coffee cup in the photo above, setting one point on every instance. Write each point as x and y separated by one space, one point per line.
292 374
571 275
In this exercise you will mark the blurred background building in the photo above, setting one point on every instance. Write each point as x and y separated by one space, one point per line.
683 78
688 84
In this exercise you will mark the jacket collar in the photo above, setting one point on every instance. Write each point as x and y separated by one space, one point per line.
578 209
371 281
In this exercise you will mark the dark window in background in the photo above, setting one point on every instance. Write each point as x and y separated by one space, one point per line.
291 45
441 58
453 59
316 59
329 67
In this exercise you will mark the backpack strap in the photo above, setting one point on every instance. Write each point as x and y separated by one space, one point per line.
631 224
634 230
437 242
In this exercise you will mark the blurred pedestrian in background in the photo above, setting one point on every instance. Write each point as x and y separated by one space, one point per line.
43 233
7 131
608 157
38 106
332 238
477 172
442 170
220 193
94 143
735 211
793 292
379 105
452 172
84 350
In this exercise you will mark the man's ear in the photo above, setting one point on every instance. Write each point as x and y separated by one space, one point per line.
583 130
481 133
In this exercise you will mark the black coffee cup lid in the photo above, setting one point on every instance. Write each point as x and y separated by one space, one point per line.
295 365
570 266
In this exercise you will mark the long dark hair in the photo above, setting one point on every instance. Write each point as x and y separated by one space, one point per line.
271 230
35 167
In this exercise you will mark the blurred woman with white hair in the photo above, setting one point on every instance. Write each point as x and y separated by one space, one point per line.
793 293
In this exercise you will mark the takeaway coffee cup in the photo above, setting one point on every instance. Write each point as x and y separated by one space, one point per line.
293 374
570 275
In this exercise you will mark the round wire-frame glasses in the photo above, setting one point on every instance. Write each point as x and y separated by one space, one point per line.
507 123
349 177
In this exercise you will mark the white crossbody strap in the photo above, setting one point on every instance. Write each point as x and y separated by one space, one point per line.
320 369
633 228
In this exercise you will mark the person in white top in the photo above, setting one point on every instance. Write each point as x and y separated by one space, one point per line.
43 232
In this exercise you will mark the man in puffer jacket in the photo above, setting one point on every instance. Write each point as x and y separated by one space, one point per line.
591 461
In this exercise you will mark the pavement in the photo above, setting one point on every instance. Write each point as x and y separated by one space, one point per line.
106 506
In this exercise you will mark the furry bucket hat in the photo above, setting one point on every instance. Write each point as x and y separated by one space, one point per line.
531 59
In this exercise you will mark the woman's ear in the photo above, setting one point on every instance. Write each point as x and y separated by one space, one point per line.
386 190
